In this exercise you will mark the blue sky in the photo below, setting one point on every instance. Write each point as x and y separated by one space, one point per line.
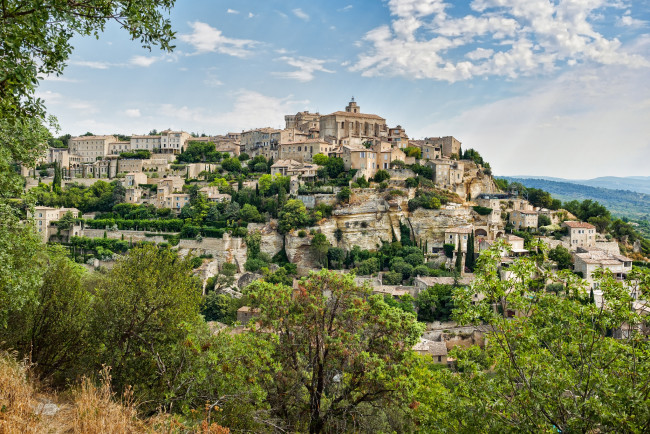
539 87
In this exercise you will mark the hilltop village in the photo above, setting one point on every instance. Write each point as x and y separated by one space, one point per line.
342 191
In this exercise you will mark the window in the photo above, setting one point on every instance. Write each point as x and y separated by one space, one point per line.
363 155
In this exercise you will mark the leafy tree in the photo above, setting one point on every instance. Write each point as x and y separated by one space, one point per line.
139 316
335 167
555 363
392 278
21 252
320 246
601 222
543 220
52 328
381 176
244 156
344 194
250 213
293 215
335 257
231 165
338 348
412 151
220 307
320 159
562 256
435 303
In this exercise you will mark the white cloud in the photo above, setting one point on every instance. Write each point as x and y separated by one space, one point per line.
587 122
306 67
300 14
250 109
627 21
91 64
232 11
345 9
207 39
143 61
250 15
212 80
499 37
132 113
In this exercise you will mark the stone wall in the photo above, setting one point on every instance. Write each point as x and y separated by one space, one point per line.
128 235
226 249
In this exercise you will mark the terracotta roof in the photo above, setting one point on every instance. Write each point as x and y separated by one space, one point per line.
356 115
580 225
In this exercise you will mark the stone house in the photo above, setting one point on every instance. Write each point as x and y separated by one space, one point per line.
90 148
294 168
260 142
116 148
145 143
45 216
447 173
304 151
304 122
437 350
212 194
458 235
586 261
448 145
524 219
246 313
173 142
397 137
429 151
134 179
581 234
133 195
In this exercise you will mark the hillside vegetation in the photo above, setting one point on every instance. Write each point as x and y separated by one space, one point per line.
622 203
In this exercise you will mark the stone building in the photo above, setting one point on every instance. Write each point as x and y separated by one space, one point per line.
173 142
45 216
304 122
145 143
116 148
260 142
581 234
586 261
448 145
90 148
458 235
430 151
437 350
305 150
447 173
352 123
294 168
524 219
397 137
134 179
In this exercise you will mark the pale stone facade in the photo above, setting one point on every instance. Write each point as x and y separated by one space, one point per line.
398 138
304 151
581 234
447 173
116 148
145 143
173 142
589 261
448 144
524 219
45 216
260 142
91 148
133 195
352 123
305 122
134 179
294 168
458 235
430 151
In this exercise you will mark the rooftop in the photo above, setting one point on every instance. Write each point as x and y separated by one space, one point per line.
579 225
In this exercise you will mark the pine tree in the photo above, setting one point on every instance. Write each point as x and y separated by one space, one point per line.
460 152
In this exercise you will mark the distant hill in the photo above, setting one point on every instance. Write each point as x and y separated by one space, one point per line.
623 203
639 184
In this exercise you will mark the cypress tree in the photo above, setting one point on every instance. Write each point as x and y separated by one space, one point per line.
459 259
469 259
